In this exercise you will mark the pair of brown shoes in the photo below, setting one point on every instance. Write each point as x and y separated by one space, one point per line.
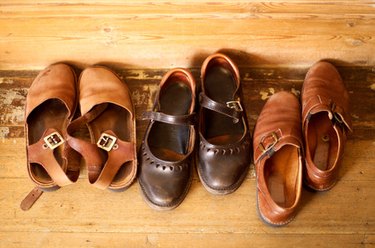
166 154
57 135
283 138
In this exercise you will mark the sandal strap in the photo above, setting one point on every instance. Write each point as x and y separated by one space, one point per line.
106 156
31 198
232 109
41 153
189 119
90 152
119 152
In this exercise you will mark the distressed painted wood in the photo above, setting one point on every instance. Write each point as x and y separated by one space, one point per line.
258 85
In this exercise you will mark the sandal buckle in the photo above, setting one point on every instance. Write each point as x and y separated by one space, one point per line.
106 142
236 105
53 140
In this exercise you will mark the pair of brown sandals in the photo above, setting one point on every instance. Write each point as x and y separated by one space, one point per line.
59 133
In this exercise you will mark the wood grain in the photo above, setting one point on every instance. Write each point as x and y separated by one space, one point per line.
347 209
195 240
164 34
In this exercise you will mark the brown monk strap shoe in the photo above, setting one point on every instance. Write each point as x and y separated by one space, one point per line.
278 160
326 122
224 141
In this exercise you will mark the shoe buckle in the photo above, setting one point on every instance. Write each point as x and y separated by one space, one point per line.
107 142
53 140
236 105
270 146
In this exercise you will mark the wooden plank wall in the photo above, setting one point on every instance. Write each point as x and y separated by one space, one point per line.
273 42
155 34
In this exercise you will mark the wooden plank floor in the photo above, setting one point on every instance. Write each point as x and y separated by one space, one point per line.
274 42
83 216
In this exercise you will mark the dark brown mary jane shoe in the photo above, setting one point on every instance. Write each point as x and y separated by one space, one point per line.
224 140
326 122
165 154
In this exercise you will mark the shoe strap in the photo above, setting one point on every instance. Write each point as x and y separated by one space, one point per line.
31 198
106 156
232 109
41 153
119 152
189 119
336 113
93 156
273 141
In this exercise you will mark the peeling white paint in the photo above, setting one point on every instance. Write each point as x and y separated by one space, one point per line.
4 132
141 74
144 96
247 77
12 114
355 116
16 116
264 95
297 93
6 81
8 96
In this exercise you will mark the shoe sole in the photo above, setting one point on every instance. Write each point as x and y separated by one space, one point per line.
265 220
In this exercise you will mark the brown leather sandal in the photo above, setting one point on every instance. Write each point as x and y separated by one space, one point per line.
50 106
107 113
